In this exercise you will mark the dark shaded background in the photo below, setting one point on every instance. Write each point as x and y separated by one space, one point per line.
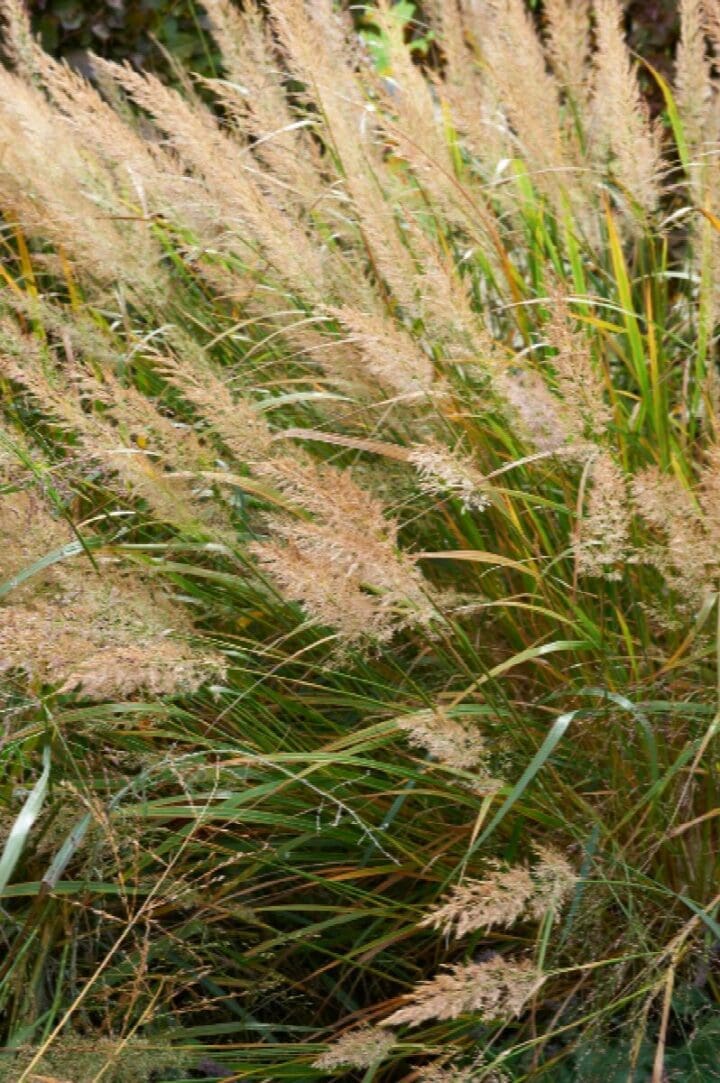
134 30
139 30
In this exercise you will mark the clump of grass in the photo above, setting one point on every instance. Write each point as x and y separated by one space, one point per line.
359 470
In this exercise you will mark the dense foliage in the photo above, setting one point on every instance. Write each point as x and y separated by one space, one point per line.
359 616
133 30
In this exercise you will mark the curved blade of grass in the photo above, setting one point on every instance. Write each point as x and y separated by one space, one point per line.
589 850
72 549
702 913
636 361
672 113
479 557
26 818
556 734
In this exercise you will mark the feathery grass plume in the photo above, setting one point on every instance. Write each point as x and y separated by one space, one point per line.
56 190
604 530
536 411
332 357
499 899
131 439
236 421
76 642
686 558
620 121
71 628
442 471
177 265
17 44
694 88
444 1070
496 988
468 97
516 61
309 36
554 881
228 174
77 1059
446 18
455 743
149 178
580 383
708 495
27 532
439 1072
358 1048
711 20
256 97
391 355
506 894
343 565
457 332
568 45
415 127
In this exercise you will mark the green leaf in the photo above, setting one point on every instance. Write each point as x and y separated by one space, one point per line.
21 828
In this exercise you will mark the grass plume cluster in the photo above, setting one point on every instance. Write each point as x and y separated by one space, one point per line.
360 514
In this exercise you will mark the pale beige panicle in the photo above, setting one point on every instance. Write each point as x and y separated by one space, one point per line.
413 122
444 1070
687 556
255 95
533 407
230 181
408 96
507 894
469 97
515 59
496 988
57 190
145 451
17 41
446 18
554 882
318 56
28 531
450 473
441 1072
337 600
449 320
621 125
568 44
73 1058
392 356
77 627
358 1048
711 20
604 530
149 177
694 88
76 645
709 498
500 899
455 743
105 641
580 382
343 564
237 421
